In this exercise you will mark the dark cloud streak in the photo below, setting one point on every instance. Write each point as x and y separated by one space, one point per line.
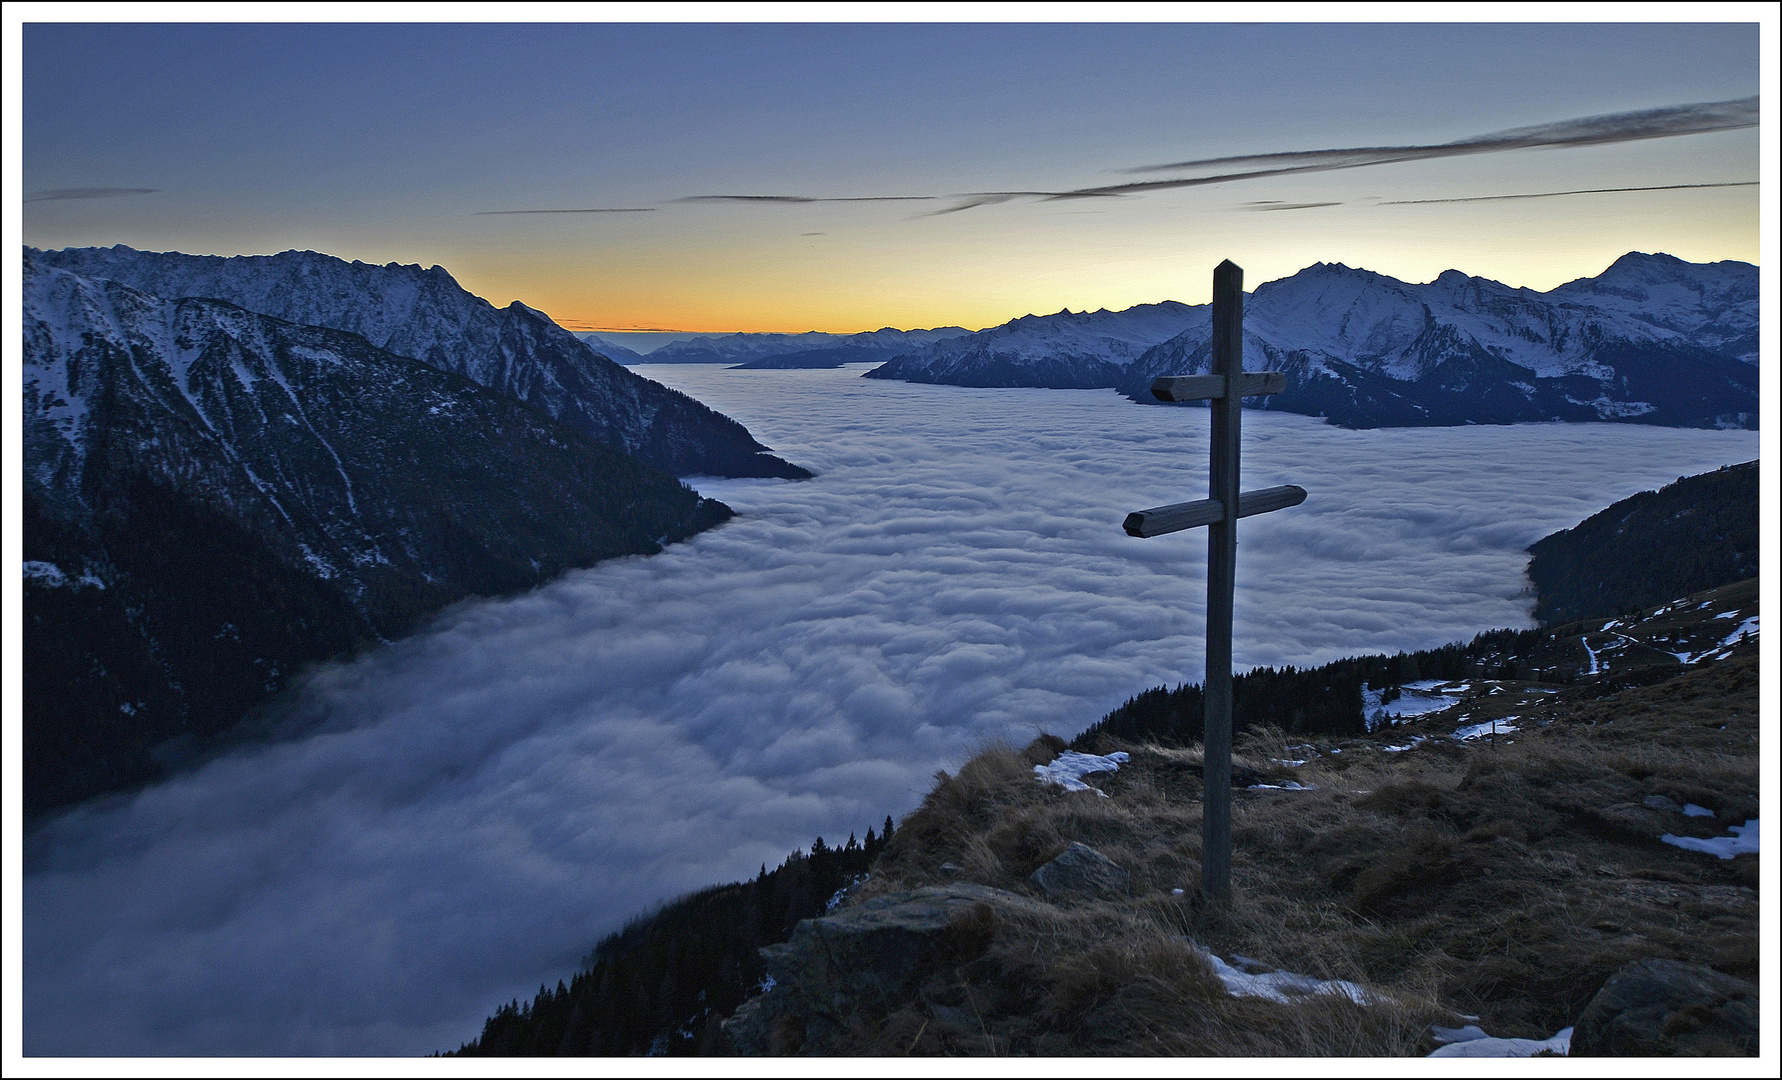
590 210
1556 194
974 199
1289 206
59 194
798 199
1661 123
581 327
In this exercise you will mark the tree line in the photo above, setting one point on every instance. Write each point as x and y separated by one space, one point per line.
660 985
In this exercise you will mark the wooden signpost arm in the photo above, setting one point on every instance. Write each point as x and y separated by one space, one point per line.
1178 516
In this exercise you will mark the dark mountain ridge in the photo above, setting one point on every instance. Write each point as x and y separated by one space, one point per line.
1698 533
426 315
215 498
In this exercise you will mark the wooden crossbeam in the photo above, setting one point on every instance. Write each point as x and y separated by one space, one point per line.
1178 516
1212 387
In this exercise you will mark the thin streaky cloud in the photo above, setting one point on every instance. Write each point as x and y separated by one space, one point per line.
58 194
1556 194
973 199
1660 123
804 198
590 329
1641 124
1288 206
590 210
1583 131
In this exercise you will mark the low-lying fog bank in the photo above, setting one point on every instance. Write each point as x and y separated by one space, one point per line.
480 803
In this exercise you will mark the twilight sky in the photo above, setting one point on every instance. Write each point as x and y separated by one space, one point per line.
900 145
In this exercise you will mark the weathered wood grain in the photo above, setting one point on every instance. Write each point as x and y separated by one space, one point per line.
1212 387
1175 517
1228 364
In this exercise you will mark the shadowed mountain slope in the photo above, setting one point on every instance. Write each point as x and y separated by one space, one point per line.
215 498
1698 533
426 315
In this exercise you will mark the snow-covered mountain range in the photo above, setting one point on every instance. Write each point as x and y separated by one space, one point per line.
427 315
1653 339
215 498
1069 350
742 349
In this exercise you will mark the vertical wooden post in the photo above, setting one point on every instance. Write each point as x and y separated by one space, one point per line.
1228 362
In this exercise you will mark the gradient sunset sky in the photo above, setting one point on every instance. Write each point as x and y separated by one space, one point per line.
895 174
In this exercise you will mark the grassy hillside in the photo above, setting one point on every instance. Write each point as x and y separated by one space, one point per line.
1456 875
1503 879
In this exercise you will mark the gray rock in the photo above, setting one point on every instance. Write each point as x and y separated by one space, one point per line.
1659 802
1663 1008
851 969
1083 871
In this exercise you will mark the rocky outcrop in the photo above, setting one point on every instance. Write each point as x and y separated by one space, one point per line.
1663 1008
844 972
1082 871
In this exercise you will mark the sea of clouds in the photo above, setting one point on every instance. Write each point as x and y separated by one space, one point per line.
470 810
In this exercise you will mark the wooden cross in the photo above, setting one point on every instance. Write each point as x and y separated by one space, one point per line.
1226 387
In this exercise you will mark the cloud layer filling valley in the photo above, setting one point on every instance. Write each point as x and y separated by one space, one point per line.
473 808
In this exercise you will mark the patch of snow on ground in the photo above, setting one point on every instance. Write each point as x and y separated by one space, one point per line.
1479 731
1070 768
1743 841
1445 1035
45 573
1450 685
1411 702
1594 667
842 893
1697 811
1484 1045
1291 785
1416 741
1284 986
1749 626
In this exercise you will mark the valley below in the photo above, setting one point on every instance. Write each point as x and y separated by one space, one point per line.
471 808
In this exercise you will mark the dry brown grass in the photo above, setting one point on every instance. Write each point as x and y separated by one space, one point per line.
1504 881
